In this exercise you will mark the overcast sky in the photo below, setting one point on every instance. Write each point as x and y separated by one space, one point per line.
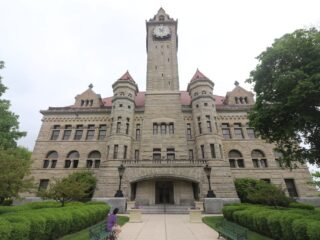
53 49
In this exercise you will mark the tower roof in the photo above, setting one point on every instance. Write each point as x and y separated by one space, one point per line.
126 76
199 76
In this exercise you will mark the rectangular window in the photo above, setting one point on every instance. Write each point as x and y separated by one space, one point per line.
200 128
226 131
67 163
171 128
127 128
238 131
89 163
263 163
189 136
108 150
138 132
221 153
202 151
136 155
53 163
90 132
213 151
118 127
55 132
251 133
67 132
155 128
102 132
157 154
45 163
96 163
255 163
43 185
79 131
115 152
232 163
190 154
163 128
267 180
291 187
240 163
75 163
125 148
208 123
170 153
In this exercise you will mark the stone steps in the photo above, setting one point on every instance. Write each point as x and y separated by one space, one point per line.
162 208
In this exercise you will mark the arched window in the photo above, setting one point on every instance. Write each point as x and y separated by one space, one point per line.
161 18
51 158
94 159
204 92
236 159
72 159
258 159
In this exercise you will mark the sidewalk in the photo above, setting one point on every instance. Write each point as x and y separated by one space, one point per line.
167 227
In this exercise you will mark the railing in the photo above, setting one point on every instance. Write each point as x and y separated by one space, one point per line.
165 162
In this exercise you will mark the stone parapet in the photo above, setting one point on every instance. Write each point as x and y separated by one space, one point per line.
215 205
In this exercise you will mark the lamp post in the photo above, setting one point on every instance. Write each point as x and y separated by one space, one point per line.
121 169
207 171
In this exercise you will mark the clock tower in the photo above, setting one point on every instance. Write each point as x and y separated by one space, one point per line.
162 47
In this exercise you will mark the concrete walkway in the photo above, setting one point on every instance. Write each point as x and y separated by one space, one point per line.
167 227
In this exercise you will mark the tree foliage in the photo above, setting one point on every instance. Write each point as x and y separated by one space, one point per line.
287 86
14 166
78 186
9 124
316 180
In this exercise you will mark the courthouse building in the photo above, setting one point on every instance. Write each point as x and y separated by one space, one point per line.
163 136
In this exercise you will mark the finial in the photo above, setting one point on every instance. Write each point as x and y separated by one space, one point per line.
236 83
90 86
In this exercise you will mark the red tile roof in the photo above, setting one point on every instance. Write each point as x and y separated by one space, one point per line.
185 99
199 76
126 76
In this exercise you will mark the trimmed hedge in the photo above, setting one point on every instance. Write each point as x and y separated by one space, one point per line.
277 223
45 223
301 205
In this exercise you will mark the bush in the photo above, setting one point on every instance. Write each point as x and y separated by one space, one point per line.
279 224
50 223
301 205
260 192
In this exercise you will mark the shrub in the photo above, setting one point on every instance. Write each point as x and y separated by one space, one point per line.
299 228
313 230
5 229
301 205
273 220
20 227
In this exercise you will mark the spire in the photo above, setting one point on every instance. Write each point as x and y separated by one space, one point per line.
126 76
91 86
199 76
236 83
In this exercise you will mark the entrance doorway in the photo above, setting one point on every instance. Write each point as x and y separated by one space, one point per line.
164 192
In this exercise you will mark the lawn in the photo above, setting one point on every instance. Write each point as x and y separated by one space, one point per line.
84 234
212 221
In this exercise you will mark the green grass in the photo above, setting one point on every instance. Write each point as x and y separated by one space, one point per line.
212 221
84 234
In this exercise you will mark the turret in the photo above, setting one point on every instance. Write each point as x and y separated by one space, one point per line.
123 106
208 142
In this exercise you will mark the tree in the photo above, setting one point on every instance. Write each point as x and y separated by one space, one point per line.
14 166
287 86
9 124
316 180
75 187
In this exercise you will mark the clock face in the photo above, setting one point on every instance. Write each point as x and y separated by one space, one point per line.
161 31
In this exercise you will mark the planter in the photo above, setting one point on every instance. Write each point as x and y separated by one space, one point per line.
135 215
131 204
195 215
199 205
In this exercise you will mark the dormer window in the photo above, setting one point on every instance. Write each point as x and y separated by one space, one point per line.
161 18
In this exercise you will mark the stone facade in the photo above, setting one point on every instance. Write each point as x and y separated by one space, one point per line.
164 137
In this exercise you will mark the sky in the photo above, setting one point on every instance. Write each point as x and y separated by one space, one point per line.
53 49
